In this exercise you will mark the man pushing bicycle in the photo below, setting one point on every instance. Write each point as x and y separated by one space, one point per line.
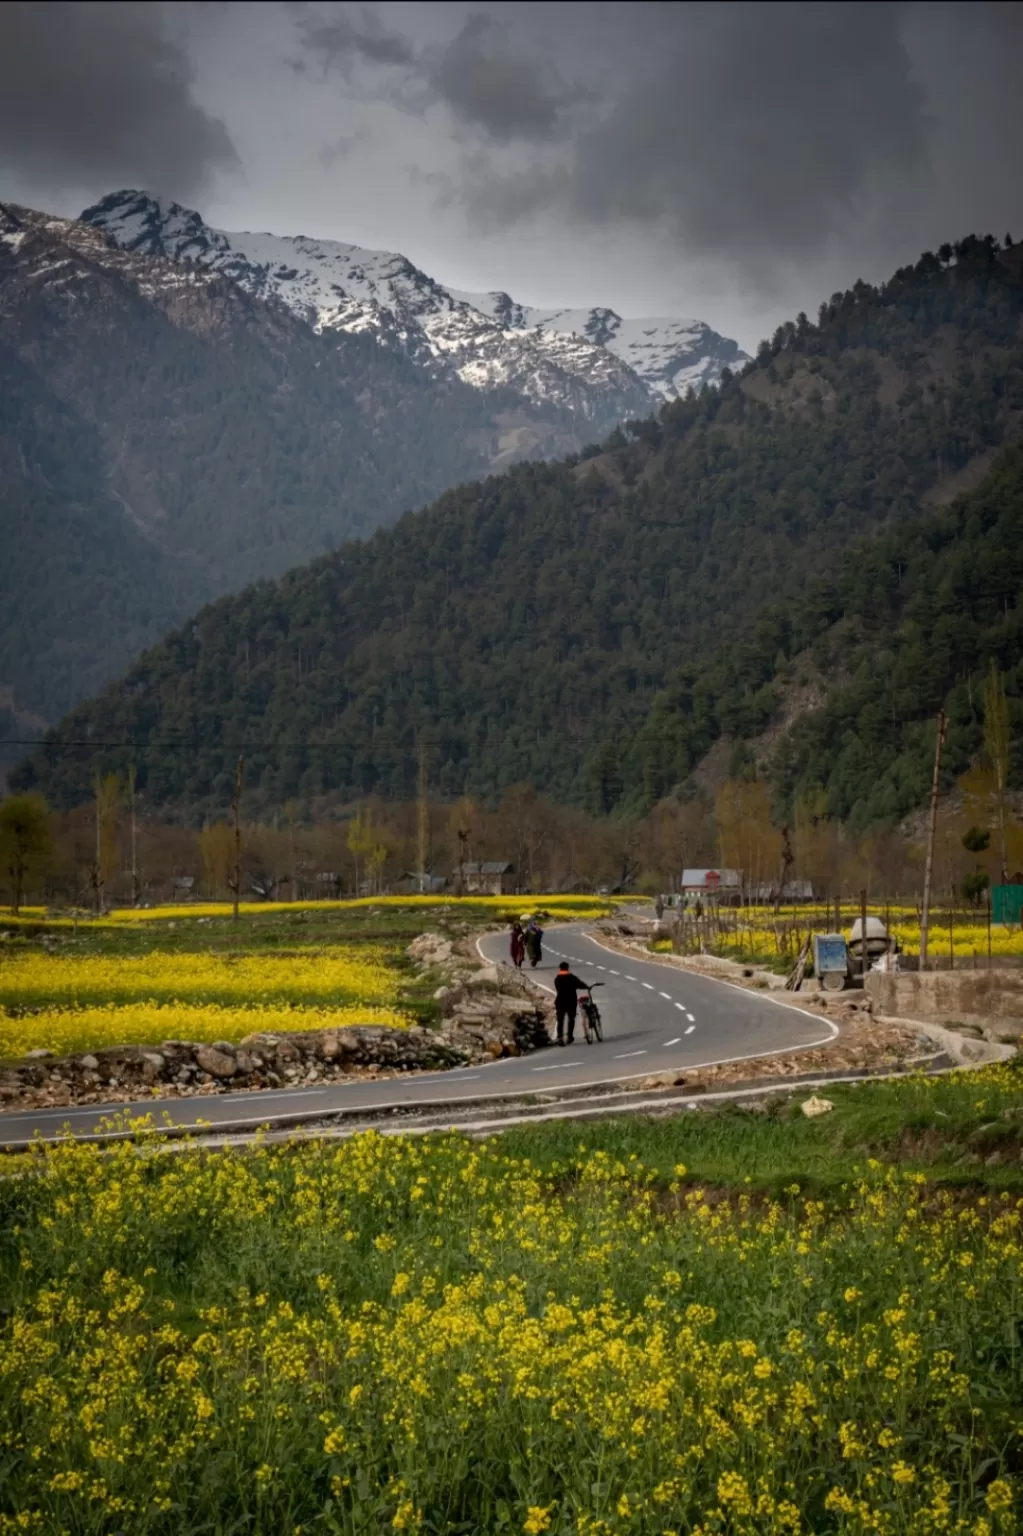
566 1000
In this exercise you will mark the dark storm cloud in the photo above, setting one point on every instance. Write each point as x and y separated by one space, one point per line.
335 39
100 94
768 136
480 74
492 84
756 130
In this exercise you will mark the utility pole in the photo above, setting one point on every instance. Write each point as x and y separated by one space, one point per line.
931 832
99 842
134 844
422 821
863 933
236 882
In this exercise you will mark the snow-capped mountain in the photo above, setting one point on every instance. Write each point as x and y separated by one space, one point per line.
668 355
592 362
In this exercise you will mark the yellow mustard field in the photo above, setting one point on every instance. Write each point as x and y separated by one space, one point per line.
760 932
65 1003
71 1030
569 907
440 1336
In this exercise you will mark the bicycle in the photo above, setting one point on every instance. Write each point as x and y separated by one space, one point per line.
592 1029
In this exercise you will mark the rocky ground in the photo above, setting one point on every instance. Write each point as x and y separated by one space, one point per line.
486 1013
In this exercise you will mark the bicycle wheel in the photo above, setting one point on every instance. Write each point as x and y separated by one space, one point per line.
586 1026
595 1022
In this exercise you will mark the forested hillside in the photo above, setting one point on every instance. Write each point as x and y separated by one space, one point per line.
593 627
165 437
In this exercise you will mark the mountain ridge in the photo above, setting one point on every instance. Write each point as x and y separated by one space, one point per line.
572 357
212 431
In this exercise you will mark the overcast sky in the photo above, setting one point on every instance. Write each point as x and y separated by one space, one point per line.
736 162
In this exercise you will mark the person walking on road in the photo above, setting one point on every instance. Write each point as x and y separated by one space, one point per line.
534 947
566 1000
518 945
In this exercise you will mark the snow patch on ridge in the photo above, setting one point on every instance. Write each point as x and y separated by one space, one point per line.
585 360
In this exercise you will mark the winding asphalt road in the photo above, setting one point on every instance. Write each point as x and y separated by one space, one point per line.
656 1017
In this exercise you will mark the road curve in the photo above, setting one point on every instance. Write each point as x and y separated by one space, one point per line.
656 1018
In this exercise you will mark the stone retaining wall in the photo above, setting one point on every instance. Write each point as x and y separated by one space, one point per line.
990 1001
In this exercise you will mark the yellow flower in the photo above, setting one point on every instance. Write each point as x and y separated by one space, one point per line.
999 1498
538 1519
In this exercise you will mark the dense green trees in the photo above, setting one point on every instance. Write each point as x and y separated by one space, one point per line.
164 438
593 627
25 841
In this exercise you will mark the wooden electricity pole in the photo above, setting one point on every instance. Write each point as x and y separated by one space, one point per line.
925 913
236 881
134 841
422 821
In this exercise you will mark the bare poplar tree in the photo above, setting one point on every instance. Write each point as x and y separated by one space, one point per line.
996 743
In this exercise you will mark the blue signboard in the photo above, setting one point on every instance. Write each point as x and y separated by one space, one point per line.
829 953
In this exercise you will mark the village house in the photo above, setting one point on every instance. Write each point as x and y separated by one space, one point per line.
491 877
721 887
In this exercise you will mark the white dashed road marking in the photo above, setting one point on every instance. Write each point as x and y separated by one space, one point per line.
676 1041
690 1029
649 986
630 978
626 1055
560 1066
681 1007
666 995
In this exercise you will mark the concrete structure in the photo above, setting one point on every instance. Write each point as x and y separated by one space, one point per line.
990 1001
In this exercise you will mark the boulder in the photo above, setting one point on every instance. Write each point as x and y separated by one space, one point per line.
489 976
153 1065
215 1061
88 1063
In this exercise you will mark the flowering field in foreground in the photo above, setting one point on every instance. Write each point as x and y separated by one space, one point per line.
440 1336
67 1003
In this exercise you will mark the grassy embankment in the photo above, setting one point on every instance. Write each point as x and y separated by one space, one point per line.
729 1324
140 977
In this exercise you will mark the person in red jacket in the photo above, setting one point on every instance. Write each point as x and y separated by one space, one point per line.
566 1000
